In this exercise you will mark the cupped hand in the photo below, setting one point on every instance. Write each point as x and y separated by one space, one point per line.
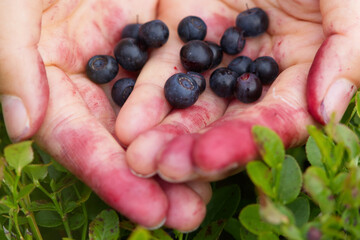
314 43
44 91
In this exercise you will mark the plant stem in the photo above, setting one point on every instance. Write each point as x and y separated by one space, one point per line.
85 227
58 209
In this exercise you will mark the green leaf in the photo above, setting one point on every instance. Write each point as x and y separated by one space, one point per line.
48 219
223 204
4 208
85 194
36 171
344 135
161 234
270 145
105 226
41 205
316 184
18 155
261 176
25 191
357 102
138 234
313 153
337 183
69 206
268 236
324 143
76 220
63 183
251 220
246 234
232 227
301 210
211 231
290 180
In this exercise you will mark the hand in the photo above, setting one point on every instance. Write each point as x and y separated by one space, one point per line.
44 91
212 138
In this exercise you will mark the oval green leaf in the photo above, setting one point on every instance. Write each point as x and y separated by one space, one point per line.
290 180
270 145
105 226
18 155
260 174
48 219
251 220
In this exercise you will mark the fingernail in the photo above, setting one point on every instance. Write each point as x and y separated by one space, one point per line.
15 116
337 99
157 226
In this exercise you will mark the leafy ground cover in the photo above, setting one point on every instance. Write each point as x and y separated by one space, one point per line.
310 192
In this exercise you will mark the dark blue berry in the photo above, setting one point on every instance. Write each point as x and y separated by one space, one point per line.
248 88
131 31
153 34
252 22
199 79
217 54
222 81
192 28
196 56
266 68
102 69
240 64
121 90
181 90
232 41
130 55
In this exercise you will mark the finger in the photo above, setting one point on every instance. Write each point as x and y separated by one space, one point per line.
203 189
227 145
186 208
79 142
23 88
147 106
334 76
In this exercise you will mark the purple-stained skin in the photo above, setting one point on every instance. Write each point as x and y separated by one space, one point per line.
219 130
225 143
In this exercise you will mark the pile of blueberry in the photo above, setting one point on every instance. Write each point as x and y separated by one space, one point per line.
242 78
131 53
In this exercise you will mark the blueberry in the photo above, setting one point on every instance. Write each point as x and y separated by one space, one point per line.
240 64
199 79
131 31
217 54
154 34
192 28
248 88
252 22
222 81
130 55
181 90
102 69
196 56
232 41
121 90
266 68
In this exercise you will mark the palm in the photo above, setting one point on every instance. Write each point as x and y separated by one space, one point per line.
292 39
78 129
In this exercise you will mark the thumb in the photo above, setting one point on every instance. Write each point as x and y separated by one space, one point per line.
23 83
335 75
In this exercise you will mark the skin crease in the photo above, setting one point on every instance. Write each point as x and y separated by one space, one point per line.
73 31
297 34
72 117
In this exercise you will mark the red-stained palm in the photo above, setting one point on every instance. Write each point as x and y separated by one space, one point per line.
212 138
49 44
